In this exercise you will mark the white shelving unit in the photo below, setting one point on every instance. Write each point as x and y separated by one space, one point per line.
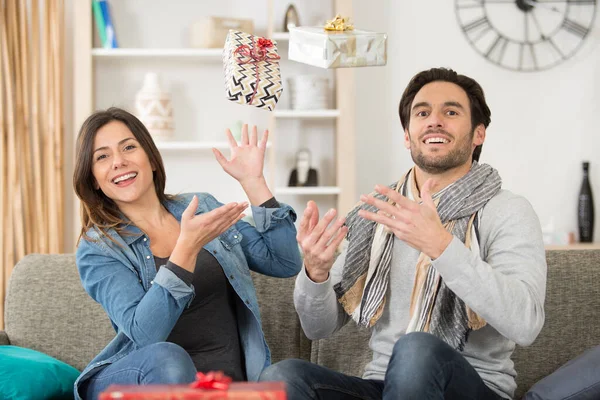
175 53
194 146
342 192
281 36
307 114
104 77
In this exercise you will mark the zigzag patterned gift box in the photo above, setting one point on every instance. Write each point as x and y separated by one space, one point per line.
252 73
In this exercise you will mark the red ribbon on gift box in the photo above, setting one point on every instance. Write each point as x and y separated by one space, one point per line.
253 55
212 380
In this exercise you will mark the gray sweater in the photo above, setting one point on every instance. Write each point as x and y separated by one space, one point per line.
504 282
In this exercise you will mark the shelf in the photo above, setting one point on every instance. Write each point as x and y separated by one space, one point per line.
193 145
574 246
307 114
281 36
315 190
174 52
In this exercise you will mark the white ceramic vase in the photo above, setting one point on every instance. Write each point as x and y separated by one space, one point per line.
154 108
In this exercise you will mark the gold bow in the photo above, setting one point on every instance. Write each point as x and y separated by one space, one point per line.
339 24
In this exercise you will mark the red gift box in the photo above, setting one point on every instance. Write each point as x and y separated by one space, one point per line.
207 387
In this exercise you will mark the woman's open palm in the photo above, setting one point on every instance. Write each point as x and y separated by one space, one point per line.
247 158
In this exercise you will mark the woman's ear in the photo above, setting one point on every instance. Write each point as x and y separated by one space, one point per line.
96 185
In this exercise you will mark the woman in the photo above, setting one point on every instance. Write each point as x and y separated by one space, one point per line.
172 272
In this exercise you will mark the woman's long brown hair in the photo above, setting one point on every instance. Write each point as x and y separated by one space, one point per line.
97 210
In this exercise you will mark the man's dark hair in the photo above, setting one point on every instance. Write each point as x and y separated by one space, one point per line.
480 112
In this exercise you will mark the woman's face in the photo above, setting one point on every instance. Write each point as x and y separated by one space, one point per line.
121 167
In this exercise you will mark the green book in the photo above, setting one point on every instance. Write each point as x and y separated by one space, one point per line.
99 22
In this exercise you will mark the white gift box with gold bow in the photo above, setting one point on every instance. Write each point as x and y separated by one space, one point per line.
316 46
252 74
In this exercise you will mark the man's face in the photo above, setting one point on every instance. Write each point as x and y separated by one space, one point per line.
440 136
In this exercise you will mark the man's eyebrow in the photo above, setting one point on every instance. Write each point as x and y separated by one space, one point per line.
120 143
446 104
421 104
454 104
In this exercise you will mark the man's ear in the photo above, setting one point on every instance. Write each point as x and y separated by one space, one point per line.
406 139
479 135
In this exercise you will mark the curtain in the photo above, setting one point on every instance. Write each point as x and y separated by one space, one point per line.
31 127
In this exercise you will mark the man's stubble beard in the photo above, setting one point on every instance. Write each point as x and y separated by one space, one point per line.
458 156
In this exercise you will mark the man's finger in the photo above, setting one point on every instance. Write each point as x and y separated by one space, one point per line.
303 227
337 240
390 210
316 233
396 197
314 216
426 193
330 232
379 218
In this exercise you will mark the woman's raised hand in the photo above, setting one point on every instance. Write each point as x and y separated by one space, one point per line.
247 158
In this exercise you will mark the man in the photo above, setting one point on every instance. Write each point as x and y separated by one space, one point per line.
447 268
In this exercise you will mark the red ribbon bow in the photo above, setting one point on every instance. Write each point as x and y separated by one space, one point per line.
212 380
253 55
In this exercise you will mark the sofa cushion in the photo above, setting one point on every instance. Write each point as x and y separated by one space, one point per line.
347 351
26 374
579 379
572 313
47 310
281 325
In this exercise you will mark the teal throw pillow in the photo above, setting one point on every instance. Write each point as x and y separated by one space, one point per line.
27 374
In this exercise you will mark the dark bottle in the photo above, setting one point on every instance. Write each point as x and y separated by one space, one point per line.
585 209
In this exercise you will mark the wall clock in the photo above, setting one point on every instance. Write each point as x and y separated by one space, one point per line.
526 35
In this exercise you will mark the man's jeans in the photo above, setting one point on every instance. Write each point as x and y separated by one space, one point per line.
159 363
421 367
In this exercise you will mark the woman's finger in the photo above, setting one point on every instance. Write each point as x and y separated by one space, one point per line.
220 157
230 139
263 140
245 135
254 136
190 210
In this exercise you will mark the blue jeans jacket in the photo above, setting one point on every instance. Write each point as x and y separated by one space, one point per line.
143 304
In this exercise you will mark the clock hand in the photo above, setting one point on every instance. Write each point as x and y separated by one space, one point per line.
546 6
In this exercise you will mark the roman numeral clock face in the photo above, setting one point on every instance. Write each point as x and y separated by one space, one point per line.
526 35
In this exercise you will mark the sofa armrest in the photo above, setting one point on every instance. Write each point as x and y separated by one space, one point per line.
4 338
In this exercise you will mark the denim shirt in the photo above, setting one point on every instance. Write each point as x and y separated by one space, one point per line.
143 304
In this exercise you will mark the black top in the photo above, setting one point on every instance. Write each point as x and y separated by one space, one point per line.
208 328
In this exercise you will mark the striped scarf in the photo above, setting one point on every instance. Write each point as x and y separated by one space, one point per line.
434 307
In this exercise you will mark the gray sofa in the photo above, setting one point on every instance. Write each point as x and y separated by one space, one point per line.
47 310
